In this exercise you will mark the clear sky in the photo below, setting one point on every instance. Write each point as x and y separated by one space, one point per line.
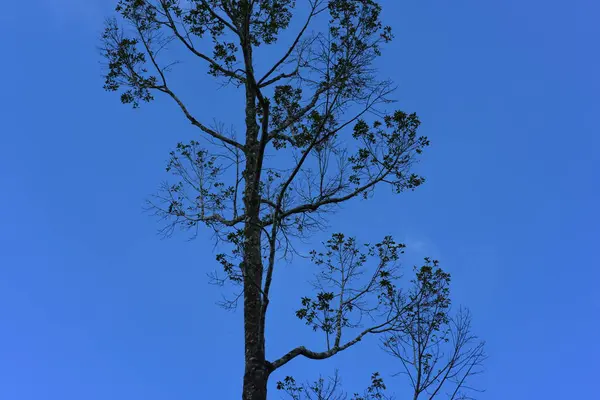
94 305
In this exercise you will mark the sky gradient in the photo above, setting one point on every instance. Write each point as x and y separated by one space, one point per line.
94 305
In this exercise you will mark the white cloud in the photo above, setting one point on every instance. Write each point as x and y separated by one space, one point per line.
78 12
418 248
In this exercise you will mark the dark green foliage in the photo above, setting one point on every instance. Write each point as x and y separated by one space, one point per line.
358 289
329 389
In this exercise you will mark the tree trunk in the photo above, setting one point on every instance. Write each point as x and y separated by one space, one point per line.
255 373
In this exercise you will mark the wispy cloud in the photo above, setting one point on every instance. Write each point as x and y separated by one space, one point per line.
77 12
418 247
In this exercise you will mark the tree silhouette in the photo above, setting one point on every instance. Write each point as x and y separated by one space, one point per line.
316 134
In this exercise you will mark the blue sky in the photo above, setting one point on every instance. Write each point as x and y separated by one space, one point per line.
95 305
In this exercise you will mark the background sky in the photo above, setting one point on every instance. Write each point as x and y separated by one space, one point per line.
94 305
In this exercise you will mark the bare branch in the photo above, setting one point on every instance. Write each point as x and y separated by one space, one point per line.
343 264
189 45
198 124
315 10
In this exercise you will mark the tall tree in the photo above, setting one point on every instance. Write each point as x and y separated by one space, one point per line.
316 134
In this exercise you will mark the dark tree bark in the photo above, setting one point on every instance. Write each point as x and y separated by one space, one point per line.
255 373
